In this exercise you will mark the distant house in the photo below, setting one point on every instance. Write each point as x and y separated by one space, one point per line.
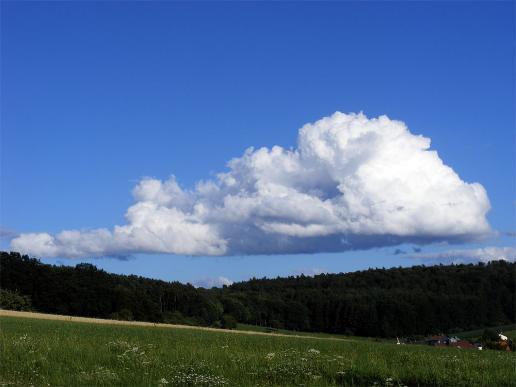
505 343
439 340
453 340
445 341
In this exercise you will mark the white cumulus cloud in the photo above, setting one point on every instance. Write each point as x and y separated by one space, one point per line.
484 254
211 282
351 183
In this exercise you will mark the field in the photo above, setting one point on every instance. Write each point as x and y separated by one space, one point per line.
508 330
45 352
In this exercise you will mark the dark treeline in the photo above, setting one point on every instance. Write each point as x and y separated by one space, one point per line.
377 302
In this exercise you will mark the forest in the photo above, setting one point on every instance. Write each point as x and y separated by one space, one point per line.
412 301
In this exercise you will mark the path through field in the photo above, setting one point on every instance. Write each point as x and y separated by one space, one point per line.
45 316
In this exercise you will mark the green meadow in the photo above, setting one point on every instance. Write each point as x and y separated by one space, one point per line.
60 353
508 330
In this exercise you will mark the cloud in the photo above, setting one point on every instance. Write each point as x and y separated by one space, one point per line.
310 272
7 233
484 254
399 252
351 183
211 282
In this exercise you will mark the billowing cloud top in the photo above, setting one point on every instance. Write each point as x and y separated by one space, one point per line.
352 183
211 282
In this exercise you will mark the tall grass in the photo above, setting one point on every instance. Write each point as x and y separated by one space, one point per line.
59 353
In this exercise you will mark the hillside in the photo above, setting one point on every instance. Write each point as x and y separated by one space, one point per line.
376 302
60 353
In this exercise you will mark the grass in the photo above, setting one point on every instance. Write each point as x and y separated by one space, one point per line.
60 353
256 328
320 335
510 334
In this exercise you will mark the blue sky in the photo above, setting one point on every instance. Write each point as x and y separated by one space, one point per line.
96 96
